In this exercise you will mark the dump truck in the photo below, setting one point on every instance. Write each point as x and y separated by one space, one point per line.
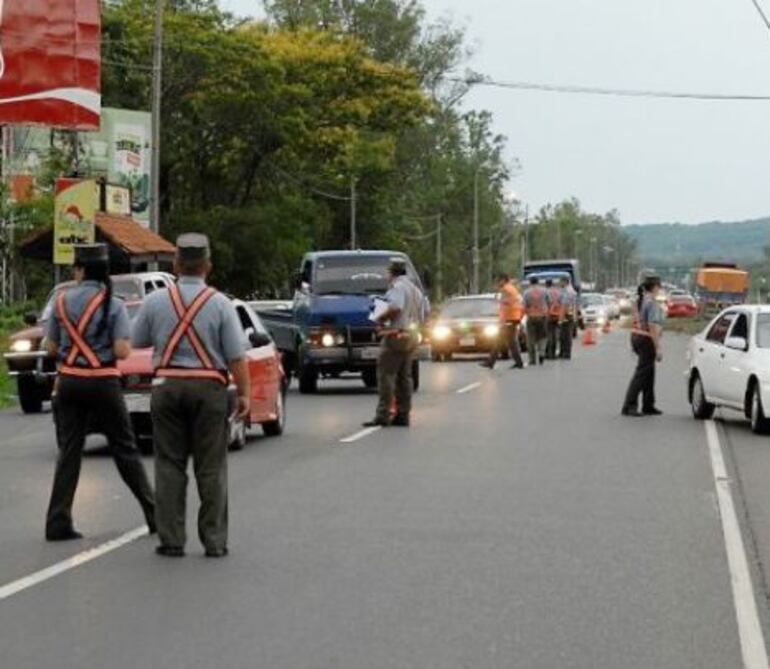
720 284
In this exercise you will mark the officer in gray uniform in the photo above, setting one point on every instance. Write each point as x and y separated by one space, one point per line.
197 339
88 332
401 337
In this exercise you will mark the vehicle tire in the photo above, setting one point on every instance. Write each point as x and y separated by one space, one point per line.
238 436
275 428
759 423
448 356
145 445
436 357
308 380
701 408
415 375
30 395
369 377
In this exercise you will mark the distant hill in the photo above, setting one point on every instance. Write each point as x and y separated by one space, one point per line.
677 245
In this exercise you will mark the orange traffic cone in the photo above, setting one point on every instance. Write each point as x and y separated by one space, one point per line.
588 337
607 327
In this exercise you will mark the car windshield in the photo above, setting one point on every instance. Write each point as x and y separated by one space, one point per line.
351 274
470 308
763 331
128 289
592 300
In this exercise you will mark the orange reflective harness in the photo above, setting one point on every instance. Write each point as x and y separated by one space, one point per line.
554 310
94 367
185 328
538 307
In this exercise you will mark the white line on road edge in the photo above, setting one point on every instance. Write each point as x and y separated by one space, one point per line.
360 435
38 577
468 389
749 628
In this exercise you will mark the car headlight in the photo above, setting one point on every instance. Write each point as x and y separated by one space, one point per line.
21 346
491 330
441 332
328 340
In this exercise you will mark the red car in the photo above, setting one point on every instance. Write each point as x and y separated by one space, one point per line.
268 385
681 306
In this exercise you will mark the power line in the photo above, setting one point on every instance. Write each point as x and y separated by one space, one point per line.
762 13
615 92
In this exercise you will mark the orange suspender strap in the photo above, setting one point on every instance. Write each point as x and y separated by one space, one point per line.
79 344
185 328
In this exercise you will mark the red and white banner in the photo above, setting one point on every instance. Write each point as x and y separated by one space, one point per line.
50 63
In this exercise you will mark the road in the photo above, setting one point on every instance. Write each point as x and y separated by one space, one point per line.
521 522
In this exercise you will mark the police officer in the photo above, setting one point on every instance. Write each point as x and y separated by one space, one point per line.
511 310
568 311
197 338
554 316
536 307
407 309
646 332
88 332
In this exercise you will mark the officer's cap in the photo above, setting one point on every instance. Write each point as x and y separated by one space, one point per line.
192 247
397 266
86 254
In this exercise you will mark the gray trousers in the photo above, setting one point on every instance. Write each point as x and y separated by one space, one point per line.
552 336
189 419
536 339
394 375
78 404
566 330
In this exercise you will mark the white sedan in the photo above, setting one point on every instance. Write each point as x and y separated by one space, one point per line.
730 365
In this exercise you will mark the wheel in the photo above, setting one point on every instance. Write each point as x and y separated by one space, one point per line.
369 376
759 423
701 408
308 380
448 356
30 395
275 428
415 375
237 435
435 356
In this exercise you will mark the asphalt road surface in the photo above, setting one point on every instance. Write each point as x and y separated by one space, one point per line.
521 522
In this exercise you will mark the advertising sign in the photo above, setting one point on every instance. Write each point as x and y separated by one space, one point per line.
117 200
50 63
75 204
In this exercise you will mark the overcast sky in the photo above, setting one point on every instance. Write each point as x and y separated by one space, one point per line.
654 160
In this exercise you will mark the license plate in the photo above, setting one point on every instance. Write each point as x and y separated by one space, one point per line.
467 341
138 403
370 353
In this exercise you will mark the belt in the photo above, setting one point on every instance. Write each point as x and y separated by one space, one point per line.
193 374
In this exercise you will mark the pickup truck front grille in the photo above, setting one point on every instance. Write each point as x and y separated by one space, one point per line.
362 336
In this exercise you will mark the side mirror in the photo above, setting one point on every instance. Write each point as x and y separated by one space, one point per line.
737 344
259 339
30 318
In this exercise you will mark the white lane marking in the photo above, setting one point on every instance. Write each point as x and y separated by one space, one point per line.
360 435
14 587
469 388
749 627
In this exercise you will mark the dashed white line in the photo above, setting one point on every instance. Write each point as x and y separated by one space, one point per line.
469 388
14 587
750 633
360 435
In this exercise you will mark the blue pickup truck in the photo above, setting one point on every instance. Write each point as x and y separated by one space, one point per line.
327 332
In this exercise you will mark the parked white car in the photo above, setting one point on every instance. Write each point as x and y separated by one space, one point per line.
595 309
730 365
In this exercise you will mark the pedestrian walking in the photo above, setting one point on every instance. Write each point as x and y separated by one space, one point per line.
552 322
511 310
88 332
646 334
407 310
568 315
536 309
197 339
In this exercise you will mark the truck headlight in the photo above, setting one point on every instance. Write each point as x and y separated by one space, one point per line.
327 340
491 330
21 346
441 332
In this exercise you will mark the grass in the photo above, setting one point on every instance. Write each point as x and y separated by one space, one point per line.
688 326
11 319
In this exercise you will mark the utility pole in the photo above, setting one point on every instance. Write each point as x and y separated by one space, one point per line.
475 257
439 260
353 242
157 94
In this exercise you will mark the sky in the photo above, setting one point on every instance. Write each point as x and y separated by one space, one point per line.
653 160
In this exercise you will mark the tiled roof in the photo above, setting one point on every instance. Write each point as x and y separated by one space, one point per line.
130 236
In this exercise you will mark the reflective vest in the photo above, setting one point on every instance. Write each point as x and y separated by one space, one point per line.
554 308
537 306
94 368
511 308
185 328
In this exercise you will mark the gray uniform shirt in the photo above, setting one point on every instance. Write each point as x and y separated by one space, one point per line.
650 313
217 325
407 297
76 299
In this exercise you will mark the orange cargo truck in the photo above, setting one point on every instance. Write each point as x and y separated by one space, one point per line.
718 285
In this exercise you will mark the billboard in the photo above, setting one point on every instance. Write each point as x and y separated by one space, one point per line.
50 63
75 204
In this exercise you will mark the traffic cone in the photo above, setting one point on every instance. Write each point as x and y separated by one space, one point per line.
588 337
607 327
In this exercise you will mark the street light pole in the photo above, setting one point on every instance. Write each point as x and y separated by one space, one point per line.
157 92
475 258
439 260
353 241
